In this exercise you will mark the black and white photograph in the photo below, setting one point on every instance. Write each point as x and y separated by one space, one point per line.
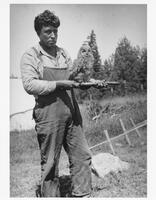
78 100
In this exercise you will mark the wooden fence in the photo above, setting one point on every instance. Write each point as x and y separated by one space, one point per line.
109 140
125 133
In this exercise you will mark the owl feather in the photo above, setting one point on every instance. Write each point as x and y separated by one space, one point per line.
83 65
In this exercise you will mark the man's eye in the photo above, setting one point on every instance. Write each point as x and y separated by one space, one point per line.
48 32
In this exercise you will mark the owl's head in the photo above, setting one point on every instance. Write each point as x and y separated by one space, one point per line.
85 51
83 65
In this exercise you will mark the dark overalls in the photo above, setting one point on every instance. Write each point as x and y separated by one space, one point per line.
58 122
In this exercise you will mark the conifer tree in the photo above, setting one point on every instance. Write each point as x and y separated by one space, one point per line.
127 65
97 60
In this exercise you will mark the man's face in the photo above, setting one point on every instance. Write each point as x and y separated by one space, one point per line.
48 36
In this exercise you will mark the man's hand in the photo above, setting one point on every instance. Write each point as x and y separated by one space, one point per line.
67 84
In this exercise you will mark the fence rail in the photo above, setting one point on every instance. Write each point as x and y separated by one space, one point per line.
22 112
108 139
125 133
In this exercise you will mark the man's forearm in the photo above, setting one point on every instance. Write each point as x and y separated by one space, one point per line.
38 87
66 84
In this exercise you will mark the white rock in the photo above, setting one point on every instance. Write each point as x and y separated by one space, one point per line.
103 163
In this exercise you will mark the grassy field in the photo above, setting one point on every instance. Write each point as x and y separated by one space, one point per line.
25 158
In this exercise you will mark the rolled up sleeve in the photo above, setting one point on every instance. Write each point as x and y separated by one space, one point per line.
30 77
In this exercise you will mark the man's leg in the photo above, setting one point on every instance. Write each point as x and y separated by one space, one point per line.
79 155
50 148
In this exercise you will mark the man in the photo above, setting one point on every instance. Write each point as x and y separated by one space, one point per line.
46 69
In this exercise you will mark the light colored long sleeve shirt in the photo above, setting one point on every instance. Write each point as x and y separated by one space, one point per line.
31 66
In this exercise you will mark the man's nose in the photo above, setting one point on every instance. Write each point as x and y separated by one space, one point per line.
52 35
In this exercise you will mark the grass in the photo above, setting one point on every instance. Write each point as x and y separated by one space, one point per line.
25 158
129 183
124 108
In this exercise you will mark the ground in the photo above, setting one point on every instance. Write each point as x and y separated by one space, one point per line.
25 168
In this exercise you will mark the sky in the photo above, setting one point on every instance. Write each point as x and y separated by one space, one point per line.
109 22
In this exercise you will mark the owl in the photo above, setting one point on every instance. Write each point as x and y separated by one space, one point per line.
83 64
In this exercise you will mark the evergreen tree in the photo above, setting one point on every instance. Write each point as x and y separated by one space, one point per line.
108 67
97 60
126 64
142 73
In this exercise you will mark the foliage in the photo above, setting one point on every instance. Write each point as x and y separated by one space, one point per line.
111 110
128 66
108 67
97 60
142 74
93 109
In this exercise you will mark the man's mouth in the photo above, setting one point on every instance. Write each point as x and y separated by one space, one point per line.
52 41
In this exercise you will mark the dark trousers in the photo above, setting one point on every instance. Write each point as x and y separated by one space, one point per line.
68 134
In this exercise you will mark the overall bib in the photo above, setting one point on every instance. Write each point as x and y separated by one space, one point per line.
59 123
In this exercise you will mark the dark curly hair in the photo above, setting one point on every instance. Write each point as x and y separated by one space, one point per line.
45 19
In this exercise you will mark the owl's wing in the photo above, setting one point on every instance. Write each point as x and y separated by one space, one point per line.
74 70
81 70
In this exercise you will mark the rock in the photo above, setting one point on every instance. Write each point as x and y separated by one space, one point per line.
103 163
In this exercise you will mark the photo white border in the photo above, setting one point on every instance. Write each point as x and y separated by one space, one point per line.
4 87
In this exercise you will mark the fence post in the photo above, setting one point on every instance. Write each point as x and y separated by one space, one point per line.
109 141
137 131
124 129
112 90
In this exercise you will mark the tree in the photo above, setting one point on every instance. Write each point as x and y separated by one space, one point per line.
108 67
126 64
91 39
142 73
